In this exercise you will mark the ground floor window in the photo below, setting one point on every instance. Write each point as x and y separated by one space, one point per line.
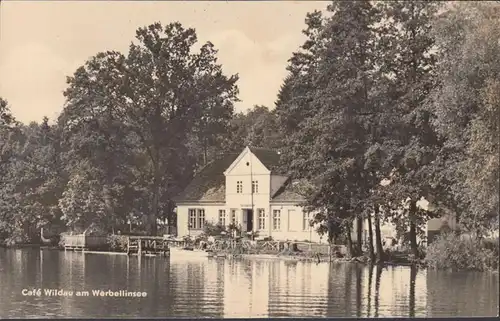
306 221
196 218
233 216
222 217
261 219
276 220
292 225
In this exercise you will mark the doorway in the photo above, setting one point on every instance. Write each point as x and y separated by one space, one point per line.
249 219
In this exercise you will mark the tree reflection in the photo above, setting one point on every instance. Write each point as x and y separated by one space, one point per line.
370 281
359 290
378 272
413 276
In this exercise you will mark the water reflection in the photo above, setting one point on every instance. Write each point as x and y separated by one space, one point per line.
201 287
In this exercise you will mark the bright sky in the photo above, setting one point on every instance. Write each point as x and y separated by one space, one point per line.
43 42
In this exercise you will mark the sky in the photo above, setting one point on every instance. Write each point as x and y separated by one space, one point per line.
42 42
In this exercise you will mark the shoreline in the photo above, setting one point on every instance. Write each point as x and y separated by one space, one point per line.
246 256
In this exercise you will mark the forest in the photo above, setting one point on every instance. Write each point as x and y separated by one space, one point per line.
403 92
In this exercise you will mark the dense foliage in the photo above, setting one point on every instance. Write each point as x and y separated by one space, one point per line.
451 251
389 103
385 104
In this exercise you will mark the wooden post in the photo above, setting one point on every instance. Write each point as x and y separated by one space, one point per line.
139 247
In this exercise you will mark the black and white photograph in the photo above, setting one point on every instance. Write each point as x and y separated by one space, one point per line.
249 159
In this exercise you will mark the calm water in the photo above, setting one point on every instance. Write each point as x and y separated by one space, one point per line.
202 287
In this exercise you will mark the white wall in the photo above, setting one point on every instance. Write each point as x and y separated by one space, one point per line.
254 171
291 225
211 215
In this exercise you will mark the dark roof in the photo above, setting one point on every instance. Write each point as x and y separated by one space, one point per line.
209 184
277 182
270 158
289 192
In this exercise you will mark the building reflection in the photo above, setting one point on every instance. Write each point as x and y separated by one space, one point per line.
236 288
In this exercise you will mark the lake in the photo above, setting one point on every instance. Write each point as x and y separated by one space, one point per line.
189 286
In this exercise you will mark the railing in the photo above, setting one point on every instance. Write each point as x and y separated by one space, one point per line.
144 245
219 245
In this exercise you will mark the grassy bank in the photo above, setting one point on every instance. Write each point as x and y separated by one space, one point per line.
456 252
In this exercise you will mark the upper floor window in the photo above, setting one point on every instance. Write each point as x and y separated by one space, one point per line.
239 187
276 220
222 217
196 218
255 186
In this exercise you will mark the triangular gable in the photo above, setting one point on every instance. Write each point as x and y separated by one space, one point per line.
238 160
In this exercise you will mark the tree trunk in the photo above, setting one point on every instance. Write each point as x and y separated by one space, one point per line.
413 228
205 151
370 238
109 207
329 225
152 228
349 240
359 235
378 237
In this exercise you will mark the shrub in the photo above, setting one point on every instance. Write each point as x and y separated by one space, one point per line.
452 251
117 243
211 229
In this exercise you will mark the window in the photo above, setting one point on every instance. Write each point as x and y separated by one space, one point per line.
201 219
255 186
222 217
276 220
239 187
306 224
292 221
196 219
192 218
262 219
233 217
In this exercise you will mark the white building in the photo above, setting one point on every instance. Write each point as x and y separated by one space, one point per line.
253 192
248 190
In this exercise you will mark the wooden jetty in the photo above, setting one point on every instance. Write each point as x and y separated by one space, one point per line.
147 246
136 245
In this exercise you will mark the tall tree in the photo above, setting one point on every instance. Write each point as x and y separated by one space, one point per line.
257 127
6 117
161 91
31 184
410 59
466 104
334 130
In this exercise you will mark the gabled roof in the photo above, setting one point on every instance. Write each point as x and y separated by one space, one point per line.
289 192
270 158
277 182
208 185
